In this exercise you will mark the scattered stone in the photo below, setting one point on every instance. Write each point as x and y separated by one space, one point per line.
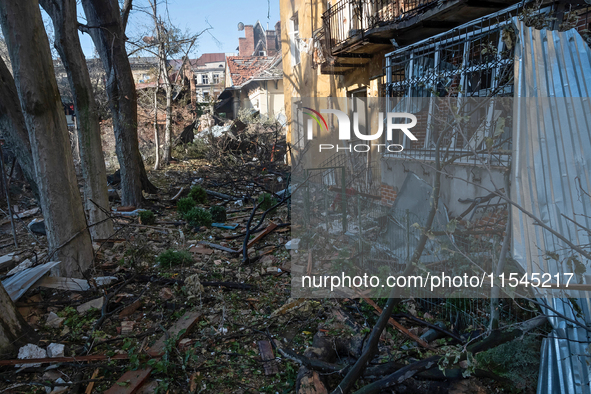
55 350
54 321
292 244
166 294
96 303
127 327
60 389
30 351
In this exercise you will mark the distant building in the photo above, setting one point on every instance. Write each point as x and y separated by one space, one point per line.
209 71
254 78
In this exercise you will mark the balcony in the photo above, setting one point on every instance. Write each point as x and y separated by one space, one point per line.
357 29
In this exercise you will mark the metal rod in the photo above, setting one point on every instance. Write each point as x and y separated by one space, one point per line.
7 195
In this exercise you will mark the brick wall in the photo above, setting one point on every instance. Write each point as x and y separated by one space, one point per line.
388 194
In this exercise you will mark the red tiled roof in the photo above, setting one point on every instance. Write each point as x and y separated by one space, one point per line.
244 68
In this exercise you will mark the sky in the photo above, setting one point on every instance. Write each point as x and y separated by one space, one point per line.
193 15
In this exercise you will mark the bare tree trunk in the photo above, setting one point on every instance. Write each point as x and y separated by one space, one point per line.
156 139
65 223
166 154
14 331
13 127
106 28
67 43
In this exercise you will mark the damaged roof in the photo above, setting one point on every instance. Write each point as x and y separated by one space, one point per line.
245 69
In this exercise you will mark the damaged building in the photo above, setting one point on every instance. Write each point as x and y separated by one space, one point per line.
525 164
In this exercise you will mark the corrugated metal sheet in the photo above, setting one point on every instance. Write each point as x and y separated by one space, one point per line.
551 176
18 284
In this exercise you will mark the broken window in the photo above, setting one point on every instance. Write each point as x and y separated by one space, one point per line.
205 79
294 40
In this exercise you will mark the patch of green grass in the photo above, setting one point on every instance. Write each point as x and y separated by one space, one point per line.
198 194
172 257
198 217
184 205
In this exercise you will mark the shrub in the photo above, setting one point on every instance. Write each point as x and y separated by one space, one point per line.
218 213
198 194
184 205
171 257
147 217
198 217
267 201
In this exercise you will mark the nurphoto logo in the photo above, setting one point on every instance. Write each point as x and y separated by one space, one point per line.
344 124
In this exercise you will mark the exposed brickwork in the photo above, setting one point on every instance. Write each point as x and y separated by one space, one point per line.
246 43
388 194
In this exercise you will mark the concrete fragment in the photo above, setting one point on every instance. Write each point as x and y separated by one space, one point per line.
55 350
54 321
166 294
30 351
292 244
96 303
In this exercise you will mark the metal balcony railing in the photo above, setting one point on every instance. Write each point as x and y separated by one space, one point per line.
351 18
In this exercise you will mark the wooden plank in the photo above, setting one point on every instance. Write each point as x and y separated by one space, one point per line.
268 357
397 325
130 382
187 322
91 384
268 230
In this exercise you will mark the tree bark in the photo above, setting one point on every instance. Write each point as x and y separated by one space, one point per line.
156 138
14 331
65 223
106 28
67 43
13 127
166 154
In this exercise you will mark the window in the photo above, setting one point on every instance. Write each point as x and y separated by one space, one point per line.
262 53
294 40
205 79
216 78
205 95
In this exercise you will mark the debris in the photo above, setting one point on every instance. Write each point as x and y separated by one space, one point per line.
54 321
166 294
184 325
60 389
193 286
6 260
56 282
220 247
91 384
55 350
130 382
397 325
96 303
18 284
292 244
130 310
37 226
104 280
268 357
127 327
232 226
21 267
22 215
30 351
262 235
77 359
176 196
